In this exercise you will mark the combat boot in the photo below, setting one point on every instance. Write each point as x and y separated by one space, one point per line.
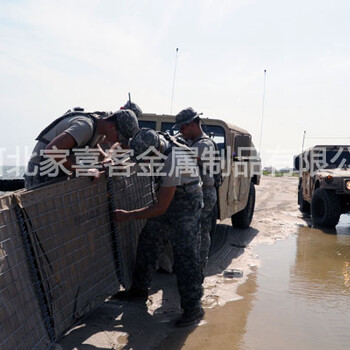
190 317
134 293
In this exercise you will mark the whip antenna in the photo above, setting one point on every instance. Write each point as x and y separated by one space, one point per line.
172 95
262 112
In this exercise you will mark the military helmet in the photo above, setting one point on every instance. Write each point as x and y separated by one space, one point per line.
127 124
134 107
143 140
186 116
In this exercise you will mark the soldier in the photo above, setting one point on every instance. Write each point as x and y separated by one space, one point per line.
175 217
76 129
189 124
134 107
107 148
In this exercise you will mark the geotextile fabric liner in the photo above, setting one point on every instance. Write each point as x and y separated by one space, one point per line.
70 254
69 230
21 322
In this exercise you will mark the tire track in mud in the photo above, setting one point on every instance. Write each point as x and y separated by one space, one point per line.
276 215
276 194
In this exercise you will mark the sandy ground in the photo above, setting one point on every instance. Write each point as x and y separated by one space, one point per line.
134 325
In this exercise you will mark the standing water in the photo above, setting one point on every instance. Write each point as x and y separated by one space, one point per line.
299 298
303 293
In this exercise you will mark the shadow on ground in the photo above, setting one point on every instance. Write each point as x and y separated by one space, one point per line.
227 244
142 326
342 228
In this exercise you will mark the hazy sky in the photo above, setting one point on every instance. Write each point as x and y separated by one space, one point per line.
58 54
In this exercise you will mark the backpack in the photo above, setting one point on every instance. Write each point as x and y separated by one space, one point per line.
76 112
177 141
174 141
218 178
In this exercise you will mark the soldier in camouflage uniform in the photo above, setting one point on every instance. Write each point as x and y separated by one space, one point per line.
128 128
78 129
188 122
134 107
175 217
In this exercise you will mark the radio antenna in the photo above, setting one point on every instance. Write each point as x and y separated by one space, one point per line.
172 95
262 112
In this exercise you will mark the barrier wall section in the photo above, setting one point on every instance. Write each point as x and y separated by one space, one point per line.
69 230
21 320
61 255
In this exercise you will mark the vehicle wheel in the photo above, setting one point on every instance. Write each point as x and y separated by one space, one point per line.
243 218
213 220
304 206
325 208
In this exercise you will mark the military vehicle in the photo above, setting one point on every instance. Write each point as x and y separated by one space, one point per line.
240 165
324 183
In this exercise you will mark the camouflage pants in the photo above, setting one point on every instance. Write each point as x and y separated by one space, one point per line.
181 225
209 199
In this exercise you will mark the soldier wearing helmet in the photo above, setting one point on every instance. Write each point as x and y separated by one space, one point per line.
76 129
189 124
127 127
175 217
134 107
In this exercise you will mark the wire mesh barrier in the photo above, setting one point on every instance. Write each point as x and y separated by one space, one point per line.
61 255
21 322
129 193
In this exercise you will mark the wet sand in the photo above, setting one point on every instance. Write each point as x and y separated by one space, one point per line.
295 282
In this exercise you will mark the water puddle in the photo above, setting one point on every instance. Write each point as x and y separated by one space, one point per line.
298 299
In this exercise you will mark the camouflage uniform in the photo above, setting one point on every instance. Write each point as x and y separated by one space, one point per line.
180 224
134 107
209 199
81 128
209 191
127 124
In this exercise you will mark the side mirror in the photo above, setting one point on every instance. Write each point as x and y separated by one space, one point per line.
297 162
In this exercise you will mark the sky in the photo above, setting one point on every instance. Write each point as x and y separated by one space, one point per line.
57 54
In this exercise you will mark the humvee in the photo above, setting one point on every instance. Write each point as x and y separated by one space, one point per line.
239 161
324 183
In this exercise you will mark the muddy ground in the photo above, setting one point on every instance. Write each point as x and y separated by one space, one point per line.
134 325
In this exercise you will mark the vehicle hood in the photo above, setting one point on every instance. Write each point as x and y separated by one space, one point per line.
334 172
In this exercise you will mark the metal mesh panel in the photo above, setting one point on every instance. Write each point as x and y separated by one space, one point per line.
21 322
129 193
60 254
69 229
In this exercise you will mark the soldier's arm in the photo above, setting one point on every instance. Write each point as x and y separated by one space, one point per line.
63 141
165 196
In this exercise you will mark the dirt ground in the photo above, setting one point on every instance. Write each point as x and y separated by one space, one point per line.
134 325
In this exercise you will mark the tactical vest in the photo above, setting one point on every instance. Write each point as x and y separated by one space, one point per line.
76 112
218 179
181 143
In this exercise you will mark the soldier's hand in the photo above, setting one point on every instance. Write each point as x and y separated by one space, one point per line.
95 174
121 215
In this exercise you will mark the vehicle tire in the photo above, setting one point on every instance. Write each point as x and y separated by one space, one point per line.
213 220
304 206
325 208
243 218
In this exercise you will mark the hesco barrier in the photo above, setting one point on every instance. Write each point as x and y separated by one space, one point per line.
61 256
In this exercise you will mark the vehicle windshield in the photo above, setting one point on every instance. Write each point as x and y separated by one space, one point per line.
332 159
215 132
